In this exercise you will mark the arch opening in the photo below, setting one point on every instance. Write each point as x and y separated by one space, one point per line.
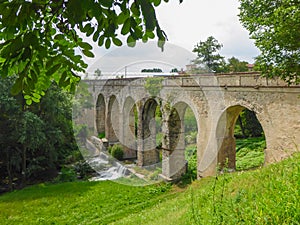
150 132
241 139
113 121
180 144
100 116
129 138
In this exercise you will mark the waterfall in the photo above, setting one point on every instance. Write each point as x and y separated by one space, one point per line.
107 167
110 171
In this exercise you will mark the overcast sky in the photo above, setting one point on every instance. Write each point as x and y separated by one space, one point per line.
185 25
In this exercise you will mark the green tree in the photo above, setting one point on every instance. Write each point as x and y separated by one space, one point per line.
236 65
38 38
31 136
34 140
274 25
174 70
97 72
249 124
207 55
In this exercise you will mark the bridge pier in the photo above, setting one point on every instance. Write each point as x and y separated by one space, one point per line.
174 164
147 154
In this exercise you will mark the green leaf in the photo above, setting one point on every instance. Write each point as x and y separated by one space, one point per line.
101 40
36 68
131 42
144 38
90 31
35 95
36 100
62 80
149 15
17 87
53 69
117 41
107 3
87 27
28 101
123 16
156 2
96 35
88 53
27 96
126 27
135 9
85 45
107 43
33 76
59 37
150 34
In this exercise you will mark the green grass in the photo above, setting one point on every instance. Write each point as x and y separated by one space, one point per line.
250 153
270 195
77 203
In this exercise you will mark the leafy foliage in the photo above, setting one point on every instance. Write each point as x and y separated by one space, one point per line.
154 70
117 151
274 26
236 65
39 39
207 55
153 85
35 141
248 125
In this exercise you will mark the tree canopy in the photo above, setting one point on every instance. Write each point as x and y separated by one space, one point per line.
39 38
207 55
274 25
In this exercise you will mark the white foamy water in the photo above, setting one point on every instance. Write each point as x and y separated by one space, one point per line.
107 168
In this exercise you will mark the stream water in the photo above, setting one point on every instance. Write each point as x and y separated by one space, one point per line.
107 167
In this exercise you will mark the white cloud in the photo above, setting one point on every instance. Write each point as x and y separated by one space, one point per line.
185 24
195 20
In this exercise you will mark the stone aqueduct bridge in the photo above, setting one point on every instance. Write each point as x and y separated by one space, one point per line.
216 101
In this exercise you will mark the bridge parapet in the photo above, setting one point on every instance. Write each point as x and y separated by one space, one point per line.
253 79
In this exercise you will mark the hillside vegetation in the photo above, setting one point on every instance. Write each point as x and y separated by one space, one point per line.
270 195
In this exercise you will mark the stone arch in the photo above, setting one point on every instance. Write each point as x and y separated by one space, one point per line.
226 144
100 115
174 162
113 120
147 153
129 128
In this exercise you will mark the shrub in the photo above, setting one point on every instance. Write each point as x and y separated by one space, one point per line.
66 175
84 169
101 135
117 151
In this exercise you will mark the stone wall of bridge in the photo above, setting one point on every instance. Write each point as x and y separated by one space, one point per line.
216 102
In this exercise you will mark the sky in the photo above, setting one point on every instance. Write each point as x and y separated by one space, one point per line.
185 25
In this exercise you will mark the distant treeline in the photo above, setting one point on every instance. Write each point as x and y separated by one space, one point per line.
154 70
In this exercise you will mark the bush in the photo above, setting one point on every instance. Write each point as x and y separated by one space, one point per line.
66 175
101 135
117 151
84 169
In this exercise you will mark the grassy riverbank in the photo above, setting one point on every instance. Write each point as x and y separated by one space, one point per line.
265 196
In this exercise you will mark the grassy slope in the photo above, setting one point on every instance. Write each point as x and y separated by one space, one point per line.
267 196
